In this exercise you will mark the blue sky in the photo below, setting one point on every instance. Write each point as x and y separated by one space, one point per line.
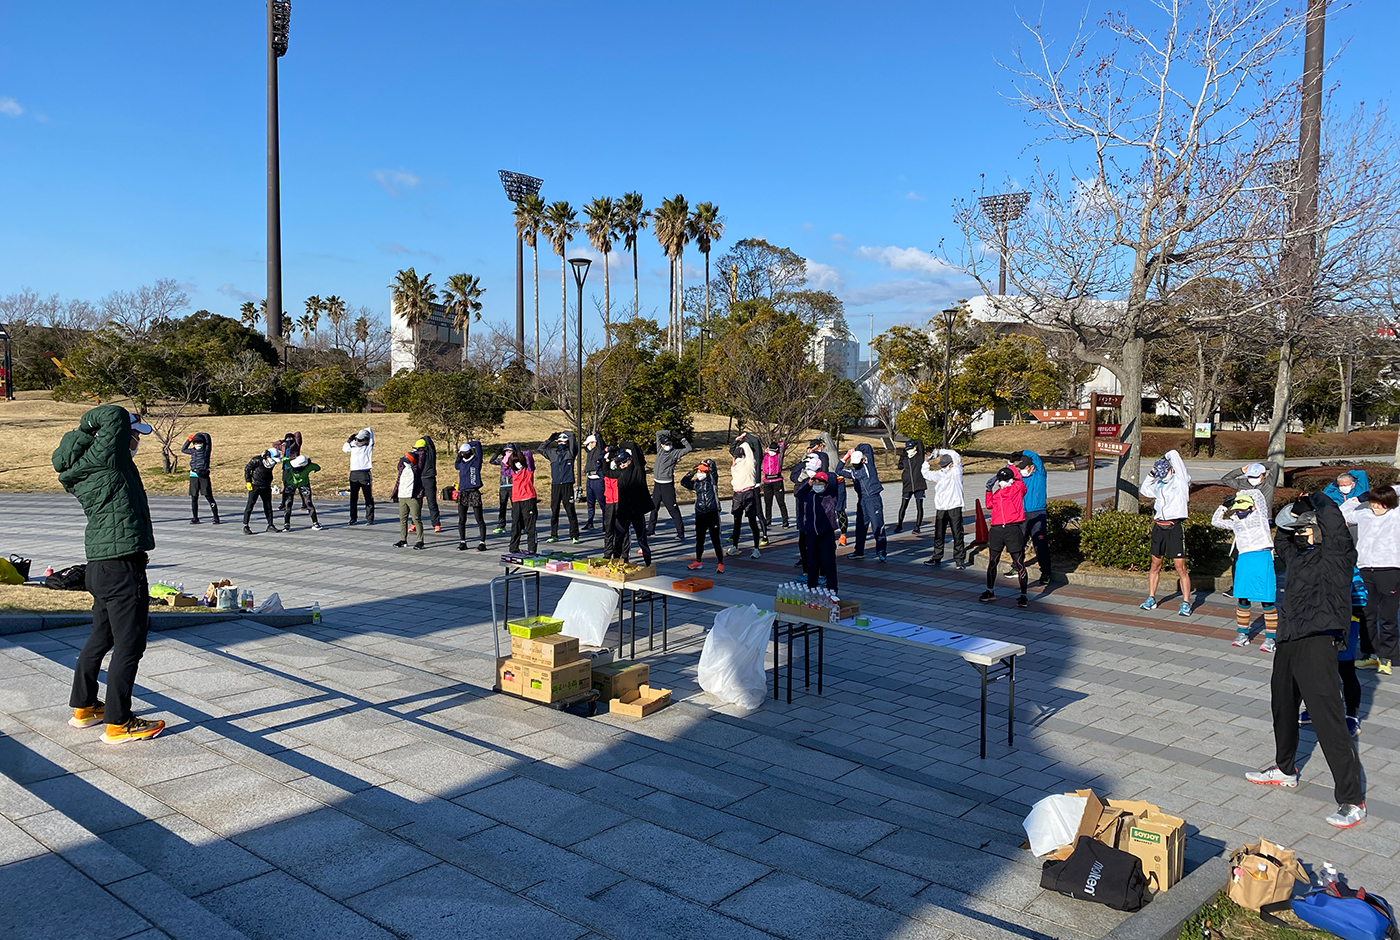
132 145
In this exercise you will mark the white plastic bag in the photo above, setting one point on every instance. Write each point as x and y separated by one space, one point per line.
587 610
731 664
1054 821
272 605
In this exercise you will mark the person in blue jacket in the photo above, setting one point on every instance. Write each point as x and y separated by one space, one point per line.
1348 484
859 468
818 491
1035 528
468 465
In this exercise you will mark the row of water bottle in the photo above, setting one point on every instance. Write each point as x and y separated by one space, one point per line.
823 600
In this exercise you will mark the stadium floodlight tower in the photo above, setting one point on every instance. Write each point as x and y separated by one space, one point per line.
1003 209
279 17
518 186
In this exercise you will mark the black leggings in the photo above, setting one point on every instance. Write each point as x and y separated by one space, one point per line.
523 515
1006 536
1382 600
635 521
1351 686
200 486
1305 672
263 493
707 523
503 505
773 489
120 619
430 502
562 494
664 494
819 553
469 501
918 499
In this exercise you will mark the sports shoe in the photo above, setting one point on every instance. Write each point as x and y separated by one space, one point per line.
413 527
216 521
732 550
1241 639
1043 580
841 540
899 528
1383 667
755 554
693 566
1347 816
1012 575
437 528
1353 725
1370 662
287 528
987 597
577 541
1185 610
856 555
353 522
1022 601
719 568
763 541
552 538
481 546
1149 604
799 563
1268 646
137 729
461 546
194 522
498 530
418 546
637 552
400 544
316 527
248 531
270 528
86 717
960 565
881 557
1272 777
933 562
1304 718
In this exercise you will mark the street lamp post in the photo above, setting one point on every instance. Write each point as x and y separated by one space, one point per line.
580 266
949 315
518 186
7 375
1003 209
279 16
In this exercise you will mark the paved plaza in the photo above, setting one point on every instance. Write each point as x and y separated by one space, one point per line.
359 779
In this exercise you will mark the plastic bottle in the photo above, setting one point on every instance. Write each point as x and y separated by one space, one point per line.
48 572
1261 872
1327 876
247 599
316 612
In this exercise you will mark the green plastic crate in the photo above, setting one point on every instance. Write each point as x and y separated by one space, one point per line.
530 628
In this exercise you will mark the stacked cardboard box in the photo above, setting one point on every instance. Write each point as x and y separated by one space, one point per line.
544 668
613 680
1158 839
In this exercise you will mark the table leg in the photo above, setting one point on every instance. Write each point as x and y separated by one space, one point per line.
983 670
1011 701
821 636
621 619
665 624
790 629
807 658
651 623
777 663
633 629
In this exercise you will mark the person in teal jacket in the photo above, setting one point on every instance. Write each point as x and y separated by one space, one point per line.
1035 528
95 463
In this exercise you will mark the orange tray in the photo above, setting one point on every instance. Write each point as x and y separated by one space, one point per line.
693 585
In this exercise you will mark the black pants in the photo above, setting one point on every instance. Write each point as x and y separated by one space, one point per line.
594 493
200 486
469 501
707 523
610 536
1306 671
943 521
524 514
120 619
288 498
263 493
918 499
360 482
1010 537
626 522
1037 532
1382 599
502 505
562 493
1351 686
745 506
430 501
774 490
664 494
800 512
819 557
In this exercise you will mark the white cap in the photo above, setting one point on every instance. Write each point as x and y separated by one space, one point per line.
591 439
1255 470
139 426
466 446
300 461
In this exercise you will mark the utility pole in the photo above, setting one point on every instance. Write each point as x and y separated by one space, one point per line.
1003 209
279 15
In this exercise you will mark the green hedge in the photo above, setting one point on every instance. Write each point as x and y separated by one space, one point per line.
1062 526
1122 540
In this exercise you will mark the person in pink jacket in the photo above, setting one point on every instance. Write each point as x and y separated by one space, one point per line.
771 472
1006 495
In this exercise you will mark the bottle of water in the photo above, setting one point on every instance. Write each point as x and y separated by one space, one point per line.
316 612
1327 877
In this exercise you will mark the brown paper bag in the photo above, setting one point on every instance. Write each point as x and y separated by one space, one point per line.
1281 869
211 595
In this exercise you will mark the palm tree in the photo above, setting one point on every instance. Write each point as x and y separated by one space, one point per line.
529 222
670 228
561 225
361 328
602 229
249 314
314 306
335 312
307 326
632 217
706 227
414 297
462 297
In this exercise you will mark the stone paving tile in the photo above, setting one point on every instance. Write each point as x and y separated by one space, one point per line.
276 906
673 862
797 909
48 914
187 856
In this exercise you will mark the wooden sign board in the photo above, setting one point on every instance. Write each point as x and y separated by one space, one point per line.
1062 415
1110 401
1113 448
1107 430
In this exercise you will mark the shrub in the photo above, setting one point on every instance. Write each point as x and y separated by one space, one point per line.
1314 479
1122 540
1062 526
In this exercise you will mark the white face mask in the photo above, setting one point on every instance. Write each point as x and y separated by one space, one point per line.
1254 481
198 446
818 487
1026 472
1346 488
135 447
702 475
665 446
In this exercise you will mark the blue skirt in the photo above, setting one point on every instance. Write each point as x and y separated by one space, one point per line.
1254 577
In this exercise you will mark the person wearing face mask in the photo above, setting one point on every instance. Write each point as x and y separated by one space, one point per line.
257 478
1032 470
297 478
1169 484
524 504
947 480
360 447
812 461
94 463
818 494
593 477
1006 493
502 459
1318 557
744 479
426 451
1378 558
663 476
629 469
561 448
1254 476
200 450
286 449
859 468
912 484
771 483
703 481
1255 580
607 467
468 465
1349 483
408 493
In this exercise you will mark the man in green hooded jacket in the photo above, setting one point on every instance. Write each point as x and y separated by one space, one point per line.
95 464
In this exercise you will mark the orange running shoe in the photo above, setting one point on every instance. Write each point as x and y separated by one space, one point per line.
137 729
86 717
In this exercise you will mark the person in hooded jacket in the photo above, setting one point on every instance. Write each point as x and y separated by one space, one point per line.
426 450
562 449
200 449
947 480
859 468
703 481
1169 484
1318 557
800 472
593 461
524 501
663 477
360 447
257 478
771 478
285 450
408 493
1377 522
1351 483
912 483
818 493
1032 470
615 544
468 465
502 459
1006 493
628 467
1242 514
297 478
94 463
744 475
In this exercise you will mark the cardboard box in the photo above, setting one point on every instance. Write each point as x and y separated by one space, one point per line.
532 627
693 585
613 680
847 609
1155 837
542 684
549 651
211 594
181 600
641 703
1099 822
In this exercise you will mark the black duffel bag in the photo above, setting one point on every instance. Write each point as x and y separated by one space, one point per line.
73 578
1099 873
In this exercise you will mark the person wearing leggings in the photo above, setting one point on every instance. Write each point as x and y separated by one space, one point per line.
701 481
633 500
502 460
1378 558
663 475
1005 493
257 476
468 465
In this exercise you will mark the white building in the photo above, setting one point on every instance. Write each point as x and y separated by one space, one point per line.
437 338
836 351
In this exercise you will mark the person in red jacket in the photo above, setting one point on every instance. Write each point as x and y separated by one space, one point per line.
1006 494
524 505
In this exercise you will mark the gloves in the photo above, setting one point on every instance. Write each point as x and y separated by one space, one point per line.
249 484
1227 500
189 439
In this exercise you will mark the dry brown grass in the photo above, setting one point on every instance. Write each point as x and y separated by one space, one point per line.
30 598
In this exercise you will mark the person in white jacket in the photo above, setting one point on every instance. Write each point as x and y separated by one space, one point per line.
1169 484
1243 514
360 447
1378 559
947 481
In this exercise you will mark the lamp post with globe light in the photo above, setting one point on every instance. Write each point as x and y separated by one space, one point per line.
580 266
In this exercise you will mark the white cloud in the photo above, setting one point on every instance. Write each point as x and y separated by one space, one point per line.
189 287
914 197
807 226
228 290
905 259
839 239
395 181
394 248
10 107
823 276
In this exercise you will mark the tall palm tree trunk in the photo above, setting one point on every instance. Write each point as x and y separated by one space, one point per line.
636 288
564 319
680 303
707 288
607 305
536 250
671 305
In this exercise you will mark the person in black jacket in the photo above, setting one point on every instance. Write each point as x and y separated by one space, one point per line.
1318 557
257 476
911 466
629 468
562 449
200 449
468 465
593 461
426 451
703 481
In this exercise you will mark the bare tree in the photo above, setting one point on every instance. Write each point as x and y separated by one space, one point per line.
134 312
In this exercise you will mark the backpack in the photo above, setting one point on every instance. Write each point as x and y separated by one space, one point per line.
72 578
1099 873
21 565
1355 915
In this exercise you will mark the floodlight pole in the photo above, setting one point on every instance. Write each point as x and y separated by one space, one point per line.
580 266
517 187
279 14
1003 209
948 316
7 373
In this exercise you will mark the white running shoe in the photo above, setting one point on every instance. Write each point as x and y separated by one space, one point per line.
1268 646
1272 777
1241 639
1347 816
755 554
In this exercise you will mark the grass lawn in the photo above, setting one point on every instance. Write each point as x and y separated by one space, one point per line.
36 599
1223 919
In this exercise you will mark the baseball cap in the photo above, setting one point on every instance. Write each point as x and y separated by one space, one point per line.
137 425
1242 502
944 460
300 461
1255 470
591 439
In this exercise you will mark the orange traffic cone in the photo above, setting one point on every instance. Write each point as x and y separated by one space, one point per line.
981 531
